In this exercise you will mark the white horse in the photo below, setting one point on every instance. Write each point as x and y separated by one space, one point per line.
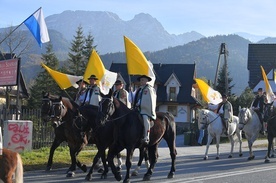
250 123
215 128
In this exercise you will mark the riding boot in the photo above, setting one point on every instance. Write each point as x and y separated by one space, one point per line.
145 140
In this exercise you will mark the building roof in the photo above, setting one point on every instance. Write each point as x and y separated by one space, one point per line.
260 55
184 73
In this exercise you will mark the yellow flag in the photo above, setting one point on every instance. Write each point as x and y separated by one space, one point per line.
209 94
269 93
95 66
137 63
64 81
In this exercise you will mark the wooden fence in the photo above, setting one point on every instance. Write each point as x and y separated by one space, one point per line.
43 133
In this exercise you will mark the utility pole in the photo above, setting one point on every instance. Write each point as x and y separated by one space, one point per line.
223 51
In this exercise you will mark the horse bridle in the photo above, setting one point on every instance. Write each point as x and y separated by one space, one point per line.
62 108
107 117
207 120
245 122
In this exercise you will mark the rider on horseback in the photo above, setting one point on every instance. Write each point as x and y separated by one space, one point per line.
225 110
79 98
145 102
258 106
120 93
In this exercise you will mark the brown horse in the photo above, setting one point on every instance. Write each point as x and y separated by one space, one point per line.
62 114
11 164
129 133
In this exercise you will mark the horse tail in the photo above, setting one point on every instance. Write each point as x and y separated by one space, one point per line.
19 170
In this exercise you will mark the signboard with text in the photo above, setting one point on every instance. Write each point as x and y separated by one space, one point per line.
8 72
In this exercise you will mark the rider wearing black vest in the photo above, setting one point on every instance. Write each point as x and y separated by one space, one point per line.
258 106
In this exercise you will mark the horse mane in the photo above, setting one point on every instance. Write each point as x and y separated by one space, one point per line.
66 101
212 113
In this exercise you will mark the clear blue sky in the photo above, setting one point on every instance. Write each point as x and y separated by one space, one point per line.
208 17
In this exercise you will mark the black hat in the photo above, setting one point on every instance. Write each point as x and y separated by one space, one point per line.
260 89
118 82
81 80
144 76
93 77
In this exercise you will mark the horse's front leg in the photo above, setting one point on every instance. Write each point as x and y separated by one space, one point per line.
251 154
55 144
239 134
72 168
114 150
153 155
210 138
128 163
270 141
231 138
217 145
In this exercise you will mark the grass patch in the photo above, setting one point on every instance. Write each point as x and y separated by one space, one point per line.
37 159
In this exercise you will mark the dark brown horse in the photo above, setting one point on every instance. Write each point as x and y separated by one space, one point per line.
129 131
270 118
62 117
11 164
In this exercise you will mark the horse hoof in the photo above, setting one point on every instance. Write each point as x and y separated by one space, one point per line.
118 177
240 155
272 156
251 158
205 158
84 168
104 176
230 156
88 177
217 157
48 168
267 161
146 177
127 181
70 174
134 173
170 175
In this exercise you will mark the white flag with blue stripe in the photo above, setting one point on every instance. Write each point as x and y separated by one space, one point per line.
37 26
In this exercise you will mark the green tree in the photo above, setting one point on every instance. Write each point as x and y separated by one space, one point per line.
246 98
44 82
88 46
77 61
220 87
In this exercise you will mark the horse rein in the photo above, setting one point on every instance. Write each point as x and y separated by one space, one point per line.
206 116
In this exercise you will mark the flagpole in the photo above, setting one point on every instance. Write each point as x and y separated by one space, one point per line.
18 26
68 95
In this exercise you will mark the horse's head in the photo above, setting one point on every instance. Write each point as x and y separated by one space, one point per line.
106 108
244 116
46 105
202 119
58 111
269 112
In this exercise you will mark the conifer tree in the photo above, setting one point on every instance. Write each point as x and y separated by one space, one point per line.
220 87
44 82
88 46
77 61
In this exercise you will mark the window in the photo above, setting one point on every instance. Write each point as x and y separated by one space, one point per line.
173 110
172 94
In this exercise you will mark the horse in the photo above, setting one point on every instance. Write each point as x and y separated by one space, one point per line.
62 117
11 165
129 131
270 118
104 136
250 124
212 121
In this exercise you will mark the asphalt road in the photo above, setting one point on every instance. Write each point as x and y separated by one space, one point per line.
190 167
